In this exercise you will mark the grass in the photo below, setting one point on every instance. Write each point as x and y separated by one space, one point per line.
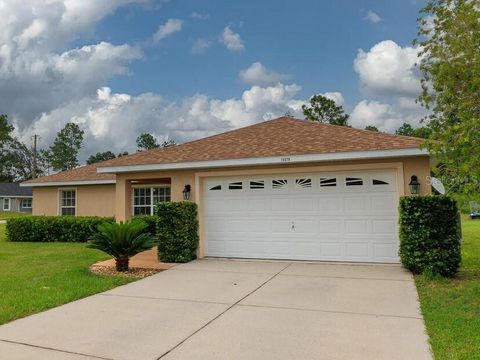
451 307
5 215
38 276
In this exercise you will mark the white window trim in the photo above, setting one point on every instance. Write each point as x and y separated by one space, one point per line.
148 186
59 200
9 204
26 199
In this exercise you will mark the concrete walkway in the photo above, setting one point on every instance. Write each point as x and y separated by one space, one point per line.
3 222
226 309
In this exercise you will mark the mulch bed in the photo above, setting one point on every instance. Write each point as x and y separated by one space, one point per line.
132 272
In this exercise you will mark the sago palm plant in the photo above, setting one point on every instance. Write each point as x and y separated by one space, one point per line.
122 241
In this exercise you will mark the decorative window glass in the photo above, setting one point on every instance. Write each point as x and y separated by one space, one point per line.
216 187
379 182
235 185
145 199
26 203
68 202
278 184
257 184
6 204
304 183
324 182
351 181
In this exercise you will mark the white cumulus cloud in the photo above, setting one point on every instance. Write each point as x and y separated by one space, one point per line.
106 116
389 69
373 17
258 74
200 46
232 40
335 96
38 72
170 27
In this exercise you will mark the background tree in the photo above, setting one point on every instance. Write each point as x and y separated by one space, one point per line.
63 154
16 159
371 128
146 141
168 143
408 130
324 110
100 156
450 67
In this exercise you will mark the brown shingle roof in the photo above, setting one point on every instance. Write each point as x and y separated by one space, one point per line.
82 173
279 137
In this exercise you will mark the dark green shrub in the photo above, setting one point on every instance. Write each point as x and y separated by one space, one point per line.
151 222
430 236
122 241
177 231
53 228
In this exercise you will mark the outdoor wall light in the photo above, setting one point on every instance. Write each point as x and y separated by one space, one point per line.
186 192
414 185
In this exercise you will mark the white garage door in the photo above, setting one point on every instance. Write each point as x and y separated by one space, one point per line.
347 216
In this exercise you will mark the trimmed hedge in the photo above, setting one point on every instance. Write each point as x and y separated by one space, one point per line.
177 231
430 235
151 221
53 228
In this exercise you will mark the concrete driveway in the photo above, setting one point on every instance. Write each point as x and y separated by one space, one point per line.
228 309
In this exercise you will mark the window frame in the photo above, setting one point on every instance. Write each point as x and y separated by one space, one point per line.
60 201
24 200
4 201
152 203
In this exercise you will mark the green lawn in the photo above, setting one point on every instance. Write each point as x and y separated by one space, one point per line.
5 215
452 307
38 276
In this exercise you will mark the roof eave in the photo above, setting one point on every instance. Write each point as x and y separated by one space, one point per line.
273 160
67 183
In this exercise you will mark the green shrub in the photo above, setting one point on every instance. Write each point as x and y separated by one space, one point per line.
122 241
430 236
53 228
177 231
151 222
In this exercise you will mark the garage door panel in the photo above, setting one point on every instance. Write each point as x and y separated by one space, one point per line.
332 250
329 227
357 250
323 216
329 203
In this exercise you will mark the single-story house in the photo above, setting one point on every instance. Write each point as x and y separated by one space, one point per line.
15 198
279 189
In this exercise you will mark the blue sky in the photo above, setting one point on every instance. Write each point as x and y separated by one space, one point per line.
186 69
314 41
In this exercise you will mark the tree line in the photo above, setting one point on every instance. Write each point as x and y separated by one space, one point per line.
19 162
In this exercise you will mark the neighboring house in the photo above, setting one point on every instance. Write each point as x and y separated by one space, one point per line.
280 189
15 198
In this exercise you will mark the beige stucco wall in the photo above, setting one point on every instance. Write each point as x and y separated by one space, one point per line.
116 200
92 200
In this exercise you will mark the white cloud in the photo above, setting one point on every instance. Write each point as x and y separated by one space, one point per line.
335 96
199 16
232 40
373 17
37 70
386 117
258 74
106 117
388 69
170 27
200 46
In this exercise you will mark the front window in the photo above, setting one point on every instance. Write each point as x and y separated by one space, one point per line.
145 198
6 204
68 202
27 203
